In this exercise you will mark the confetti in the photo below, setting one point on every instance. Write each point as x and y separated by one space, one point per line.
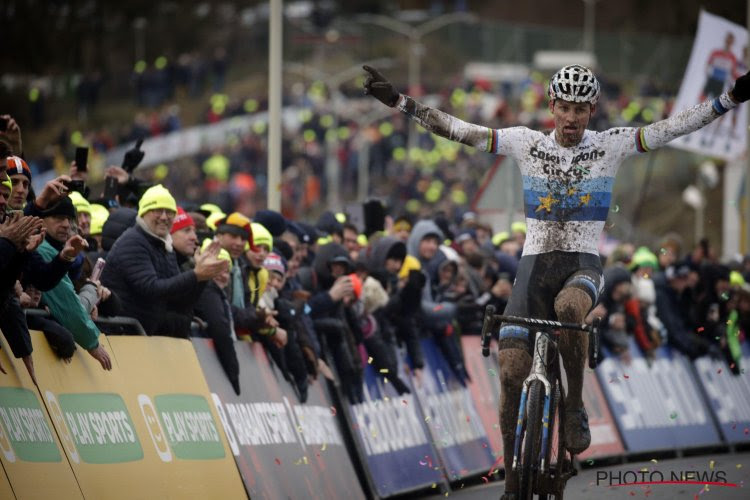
385 379
325 445
387 398
590 462
485 479
725 296
299 428
654 460
383 370
434 485
626 376
437 308
374 433
731 367
673 415
711 464
492 372
305 459
468 419
427 418
404 401
718 371
747 431
333 411
739 466
616 209
422 463
484 445
663 251
278 462
495 426
447 493
582 169
369 360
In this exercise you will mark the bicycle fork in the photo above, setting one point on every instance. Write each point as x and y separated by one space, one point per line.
538 372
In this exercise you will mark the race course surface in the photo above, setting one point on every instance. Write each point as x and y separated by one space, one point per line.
594 483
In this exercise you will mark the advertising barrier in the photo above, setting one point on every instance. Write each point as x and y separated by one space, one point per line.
454 423
393 435
143 419
605 440
728 395
29 446
659 405
283 449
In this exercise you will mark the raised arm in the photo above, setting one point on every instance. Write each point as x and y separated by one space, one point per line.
434 120
660 133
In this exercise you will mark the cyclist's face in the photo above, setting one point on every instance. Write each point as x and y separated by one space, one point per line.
571 120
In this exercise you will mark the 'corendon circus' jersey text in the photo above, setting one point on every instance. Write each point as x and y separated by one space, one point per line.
567 191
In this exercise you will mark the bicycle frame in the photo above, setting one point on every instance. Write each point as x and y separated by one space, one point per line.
538 372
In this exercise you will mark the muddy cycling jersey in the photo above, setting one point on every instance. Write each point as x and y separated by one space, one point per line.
567 191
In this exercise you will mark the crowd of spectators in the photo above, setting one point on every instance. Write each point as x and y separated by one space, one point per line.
435 175
324 297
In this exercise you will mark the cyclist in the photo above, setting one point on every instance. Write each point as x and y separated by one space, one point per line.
567 180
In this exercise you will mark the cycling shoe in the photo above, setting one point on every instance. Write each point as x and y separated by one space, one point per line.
577 433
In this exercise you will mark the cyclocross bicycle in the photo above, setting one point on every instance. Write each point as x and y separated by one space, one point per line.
543 469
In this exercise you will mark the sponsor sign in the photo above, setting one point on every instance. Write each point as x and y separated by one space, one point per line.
283 448
393 434
453 421
30 451
728 395
657 405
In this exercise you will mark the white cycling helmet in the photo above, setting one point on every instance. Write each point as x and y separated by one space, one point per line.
574 83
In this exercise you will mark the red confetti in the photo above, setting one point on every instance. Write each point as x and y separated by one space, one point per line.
485 479
626 376
700 329
467 418
747 431
719 370
438 307
404 401
484 445
278 462
731 366
333 411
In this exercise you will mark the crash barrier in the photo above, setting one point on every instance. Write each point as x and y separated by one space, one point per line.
167 415
113 325
145 429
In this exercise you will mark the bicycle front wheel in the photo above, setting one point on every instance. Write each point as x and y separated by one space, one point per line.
532 440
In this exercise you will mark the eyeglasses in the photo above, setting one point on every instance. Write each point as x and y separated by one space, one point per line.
163 211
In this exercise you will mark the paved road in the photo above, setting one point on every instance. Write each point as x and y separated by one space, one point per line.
735 468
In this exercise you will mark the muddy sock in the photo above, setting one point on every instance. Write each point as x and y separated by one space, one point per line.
571 306
515 365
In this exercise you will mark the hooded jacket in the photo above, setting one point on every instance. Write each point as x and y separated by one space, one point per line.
437 314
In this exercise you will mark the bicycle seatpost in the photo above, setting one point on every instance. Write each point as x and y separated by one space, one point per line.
489 314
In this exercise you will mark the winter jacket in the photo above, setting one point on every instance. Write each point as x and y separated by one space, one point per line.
65 306
145 275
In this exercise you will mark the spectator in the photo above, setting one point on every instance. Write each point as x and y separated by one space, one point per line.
670 287
20 177
62 301
142 269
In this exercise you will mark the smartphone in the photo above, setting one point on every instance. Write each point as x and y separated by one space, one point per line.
110 188
96 273
133 157
82 159
75 185
3 124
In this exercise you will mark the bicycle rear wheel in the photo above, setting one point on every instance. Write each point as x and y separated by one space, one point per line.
532 440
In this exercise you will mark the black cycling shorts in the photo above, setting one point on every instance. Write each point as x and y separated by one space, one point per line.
538 281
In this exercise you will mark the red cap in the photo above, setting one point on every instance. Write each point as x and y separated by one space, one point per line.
181 221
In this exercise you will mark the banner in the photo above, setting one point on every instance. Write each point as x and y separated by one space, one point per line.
457 430
29 446
657 406
485 388
283 449
716 61
180 433
147 418
605 440
393 435
728 395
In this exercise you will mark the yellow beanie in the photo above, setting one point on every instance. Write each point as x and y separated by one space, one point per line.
7 183
223 254
156 197
215 217
498 238
99 215
518 227
81 203
411 263
261 235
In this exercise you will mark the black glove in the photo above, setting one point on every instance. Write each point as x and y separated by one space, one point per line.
381 89
133 157
741 90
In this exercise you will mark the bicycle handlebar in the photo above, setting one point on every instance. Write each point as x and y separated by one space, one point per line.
490 319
